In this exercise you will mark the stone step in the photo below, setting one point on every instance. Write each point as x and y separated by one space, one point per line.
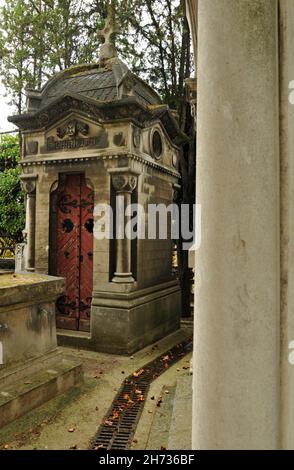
9 375
180 432
73 339
39 385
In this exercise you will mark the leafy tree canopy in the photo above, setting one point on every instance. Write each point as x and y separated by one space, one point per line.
12 213
41 37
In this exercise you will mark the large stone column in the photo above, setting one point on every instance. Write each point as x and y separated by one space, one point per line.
237 353
286 47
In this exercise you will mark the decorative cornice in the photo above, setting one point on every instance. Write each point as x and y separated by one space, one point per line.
78 160
96 110
127 108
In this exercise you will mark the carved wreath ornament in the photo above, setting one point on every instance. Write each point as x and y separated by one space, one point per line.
72 129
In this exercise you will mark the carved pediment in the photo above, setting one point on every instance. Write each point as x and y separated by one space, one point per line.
75 133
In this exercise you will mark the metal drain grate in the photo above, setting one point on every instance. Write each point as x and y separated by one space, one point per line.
119 424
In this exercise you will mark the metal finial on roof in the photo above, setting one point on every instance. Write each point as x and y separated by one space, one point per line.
108 50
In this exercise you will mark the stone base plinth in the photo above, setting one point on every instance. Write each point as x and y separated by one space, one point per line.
125 323
27 316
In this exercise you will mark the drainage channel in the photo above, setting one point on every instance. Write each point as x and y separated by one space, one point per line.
119 424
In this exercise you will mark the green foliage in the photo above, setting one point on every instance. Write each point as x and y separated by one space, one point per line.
9 151
41 37
12 213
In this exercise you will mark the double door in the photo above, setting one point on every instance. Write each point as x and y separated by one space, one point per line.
71 250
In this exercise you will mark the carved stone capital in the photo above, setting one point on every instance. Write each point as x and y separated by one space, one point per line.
28 184
124 179
123 182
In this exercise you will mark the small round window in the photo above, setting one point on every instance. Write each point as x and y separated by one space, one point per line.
156 144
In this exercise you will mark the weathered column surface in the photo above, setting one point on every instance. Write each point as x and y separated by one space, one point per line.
236 361
286 47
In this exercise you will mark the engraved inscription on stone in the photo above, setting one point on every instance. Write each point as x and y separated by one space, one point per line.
99 141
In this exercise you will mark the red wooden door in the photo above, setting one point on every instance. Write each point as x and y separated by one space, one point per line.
74 252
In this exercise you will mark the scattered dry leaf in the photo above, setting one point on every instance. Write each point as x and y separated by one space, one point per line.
107 422
115 414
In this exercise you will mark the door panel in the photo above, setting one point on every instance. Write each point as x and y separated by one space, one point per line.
86 256
73 251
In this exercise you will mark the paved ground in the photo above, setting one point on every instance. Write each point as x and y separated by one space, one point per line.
71 420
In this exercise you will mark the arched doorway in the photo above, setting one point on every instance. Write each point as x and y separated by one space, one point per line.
71 249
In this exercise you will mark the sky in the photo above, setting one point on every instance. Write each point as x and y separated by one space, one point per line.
5 111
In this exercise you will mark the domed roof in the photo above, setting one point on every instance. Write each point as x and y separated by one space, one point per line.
99 83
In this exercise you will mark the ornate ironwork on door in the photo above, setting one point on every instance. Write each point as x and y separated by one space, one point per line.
71 249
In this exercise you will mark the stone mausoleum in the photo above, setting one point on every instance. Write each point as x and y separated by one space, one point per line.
94 132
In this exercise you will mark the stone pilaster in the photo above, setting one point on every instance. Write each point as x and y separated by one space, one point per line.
124 183
28 183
